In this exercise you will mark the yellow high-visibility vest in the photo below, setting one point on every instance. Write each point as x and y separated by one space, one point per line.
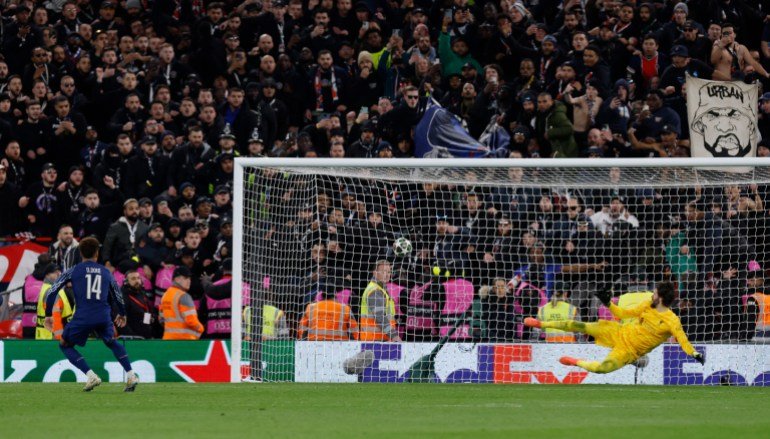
559 312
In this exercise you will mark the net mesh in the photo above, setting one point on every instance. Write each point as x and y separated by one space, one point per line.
355 274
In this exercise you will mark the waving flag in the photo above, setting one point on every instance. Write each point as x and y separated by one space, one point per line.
440 135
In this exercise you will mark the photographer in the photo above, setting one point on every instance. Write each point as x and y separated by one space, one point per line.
141 314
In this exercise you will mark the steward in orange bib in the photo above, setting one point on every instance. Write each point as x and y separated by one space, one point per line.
327 320
177 309
378 310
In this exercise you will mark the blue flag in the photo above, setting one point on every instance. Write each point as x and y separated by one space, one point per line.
440 135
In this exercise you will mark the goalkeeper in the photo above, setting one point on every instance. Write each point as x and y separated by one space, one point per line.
654 324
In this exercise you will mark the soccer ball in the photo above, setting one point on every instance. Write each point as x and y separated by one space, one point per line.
402 247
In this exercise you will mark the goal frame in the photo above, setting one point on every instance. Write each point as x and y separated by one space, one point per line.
254 162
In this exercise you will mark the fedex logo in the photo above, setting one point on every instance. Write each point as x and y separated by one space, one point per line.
502 364
513 365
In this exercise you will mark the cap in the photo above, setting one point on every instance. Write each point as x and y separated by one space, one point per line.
383 146
202 223
174 222
765 97
108 4
361 6
570 64
145 201
279 4
48 166
442 217
226 220
468 66
221 189
269 83
185 185
368 126
226 156
133 4
5 97
252 86
690 24
202 200
668 128
504 220
550 38
680 50
418 11
149 140
154 226
182 271
51 268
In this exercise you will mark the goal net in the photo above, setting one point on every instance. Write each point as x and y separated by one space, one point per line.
361 270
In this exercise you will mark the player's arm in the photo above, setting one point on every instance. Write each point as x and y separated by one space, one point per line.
117 296
624 313
681 338
52 293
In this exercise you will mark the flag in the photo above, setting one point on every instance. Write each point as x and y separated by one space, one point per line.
722 118
496 138
440 135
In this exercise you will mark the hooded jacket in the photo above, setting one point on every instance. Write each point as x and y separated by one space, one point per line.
557 126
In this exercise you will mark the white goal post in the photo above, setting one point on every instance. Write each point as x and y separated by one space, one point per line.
574 226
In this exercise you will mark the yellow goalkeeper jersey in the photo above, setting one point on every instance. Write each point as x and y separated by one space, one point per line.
651 329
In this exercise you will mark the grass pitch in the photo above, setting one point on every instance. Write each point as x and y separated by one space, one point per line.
386 411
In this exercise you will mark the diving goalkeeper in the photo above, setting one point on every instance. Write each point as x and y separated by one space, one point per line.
654 324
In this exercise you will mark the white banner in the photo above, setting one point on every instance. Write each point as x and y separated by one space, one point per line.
322 362
722 117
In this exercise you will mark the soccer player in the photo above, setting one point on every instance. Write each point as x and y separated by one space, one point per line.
94 289
655 323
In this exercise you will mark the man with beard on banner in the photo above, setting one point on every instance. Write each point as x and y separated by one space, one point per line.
722 117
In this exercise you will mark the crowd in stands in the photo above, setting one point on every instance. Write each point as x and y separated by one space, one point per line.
121 120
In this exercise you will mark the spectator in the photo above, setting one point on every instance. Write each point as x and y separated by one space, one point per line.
64 252
554 130
141 314
122 236
177 309
9 200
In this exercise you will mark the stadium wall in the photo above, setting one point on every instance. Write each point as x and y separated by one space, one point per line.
533 363
154 361
317 362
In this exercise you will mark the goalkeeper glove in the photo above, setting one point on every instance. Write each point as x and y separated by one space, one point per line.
699 358
604 295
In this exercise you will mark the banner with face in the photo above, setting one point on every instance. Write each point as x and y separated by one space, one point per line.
722 117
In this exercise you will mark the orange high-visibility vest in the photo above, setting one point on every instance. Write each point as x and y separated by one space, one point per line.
369 330
61 313
763 304
327 320
180 321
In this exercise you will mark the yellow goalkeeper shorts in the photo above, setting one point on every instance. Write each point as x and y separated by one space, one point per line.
607 333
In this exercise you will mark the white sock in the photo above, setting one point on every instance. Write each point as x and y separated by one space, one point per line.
91 374
131 374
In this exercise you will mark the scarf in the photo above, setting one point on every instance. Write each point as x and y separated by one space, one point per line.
319 96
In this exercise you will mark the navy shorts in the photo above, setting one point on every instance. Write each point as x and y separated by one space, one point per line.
77 333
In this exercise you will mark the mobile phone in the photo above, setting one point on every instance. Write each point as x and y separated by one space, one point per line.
365 25
396 32
364 110
448 14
